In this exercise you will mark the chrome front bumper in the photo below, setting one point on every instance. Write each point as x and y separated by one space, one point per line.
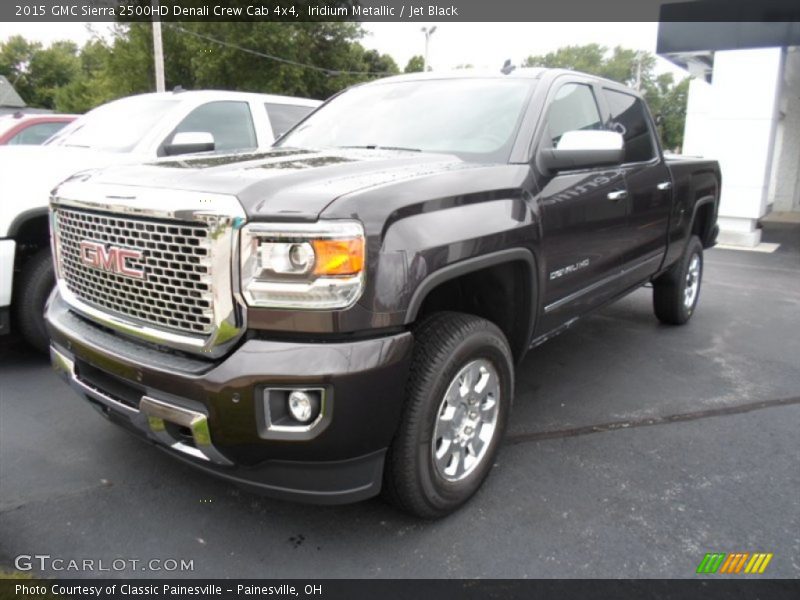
156 418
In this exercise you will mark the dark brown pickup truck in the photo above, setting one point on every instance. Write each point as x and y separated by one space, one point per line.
342 314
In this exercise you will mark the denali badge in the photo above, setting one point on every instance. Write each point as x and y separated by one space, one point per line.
111 259
569 269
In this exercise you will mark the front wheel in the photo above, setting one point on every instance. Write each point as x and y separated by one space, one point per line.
32 290
458 399
676 292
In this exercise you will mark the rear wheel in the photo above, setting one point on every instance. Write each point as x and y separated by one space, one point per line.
32 290
676 292
458 399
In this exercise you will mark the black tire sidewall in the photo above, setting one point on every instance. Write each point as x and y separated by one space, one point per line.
484 344
34 288
669 288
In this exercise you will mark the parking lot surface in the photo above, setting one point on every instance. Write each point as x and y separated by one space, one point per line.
634 448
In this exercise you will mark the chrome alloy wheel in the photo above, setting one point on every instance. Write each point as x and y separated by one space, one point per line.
466 421
692 282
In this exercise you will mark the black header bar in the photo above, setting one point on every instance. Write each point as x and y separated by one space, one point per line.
706 588
599 11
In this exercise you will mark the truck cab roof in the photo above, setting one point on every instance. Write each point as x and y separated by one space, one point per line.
532 73
201 96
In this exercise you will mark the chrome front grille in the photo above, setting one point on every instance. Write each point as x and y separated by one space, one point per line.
175 292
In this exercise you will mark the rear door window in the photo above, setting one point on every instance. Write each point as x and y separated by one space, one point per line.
628 116
230 122
283 117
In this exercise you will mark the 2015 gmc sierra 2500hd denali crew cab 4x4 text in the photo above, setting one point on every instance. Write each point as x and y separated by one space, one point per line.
343 313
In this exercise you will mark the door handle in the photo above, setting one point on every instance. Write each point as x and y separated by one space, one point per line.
664 186
617 196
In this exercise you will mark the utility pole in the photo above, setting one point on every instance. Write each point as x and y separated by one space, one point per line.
158 48
428 33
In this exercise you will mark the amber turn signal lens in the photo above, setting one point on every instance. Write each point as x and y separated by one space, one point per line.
339 257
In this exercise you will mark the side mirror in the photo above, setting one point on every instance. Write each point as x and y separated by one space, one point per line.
583 149
190 142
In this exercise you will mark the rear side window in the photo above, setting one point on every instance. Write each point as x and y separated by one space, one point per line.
629 117
229 122
283 117
36 134
573 109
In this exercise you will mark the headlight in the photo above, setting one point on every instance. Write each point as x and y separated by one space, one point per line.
303 265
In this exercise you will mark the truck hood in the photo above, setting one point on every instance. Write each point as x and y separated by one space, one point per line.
283 183
29 173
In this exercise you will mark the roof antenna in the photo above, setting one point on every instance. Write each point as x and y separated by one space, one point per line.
178 89
507 67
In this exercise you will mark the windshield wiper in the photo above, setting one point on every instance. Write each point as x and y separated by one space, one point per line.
377 147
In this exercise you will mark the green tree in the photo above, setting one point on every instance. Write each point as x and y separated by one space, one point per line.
92 85
380 64
415 64
588 59
50 69
672 113
36 72
331 48
667 99
15 58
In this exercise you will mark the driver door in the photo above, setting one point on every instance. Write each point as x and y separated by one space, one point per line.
584 213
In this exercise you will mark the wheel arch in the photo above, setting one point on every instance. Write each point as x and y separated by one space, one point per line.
507 293
31 228
703 219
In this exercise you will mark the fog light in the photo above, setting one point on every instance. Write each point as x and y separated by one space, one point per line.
294 413
303 406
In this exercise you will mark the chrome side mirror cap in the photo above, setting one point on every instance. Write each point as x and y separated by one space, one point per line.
583 150
190 142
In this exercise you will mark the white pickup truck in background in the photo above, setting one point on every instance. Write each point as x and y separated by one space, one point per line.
131 130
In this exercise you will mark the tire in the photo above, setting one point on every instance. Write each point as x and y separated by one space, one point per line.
676 292
34 286
447 345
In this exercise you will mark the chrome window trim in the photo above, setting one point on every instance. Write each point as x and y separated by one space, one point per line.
224 216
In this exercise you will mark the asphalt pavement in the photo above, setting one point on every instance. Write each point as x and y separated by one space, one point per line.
634 449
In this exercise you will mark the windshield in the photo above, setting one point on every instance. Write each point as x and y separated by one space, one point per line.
115 127
475 119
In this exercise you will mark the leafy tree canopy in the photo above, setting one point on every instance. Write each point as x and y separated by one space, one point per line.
415 64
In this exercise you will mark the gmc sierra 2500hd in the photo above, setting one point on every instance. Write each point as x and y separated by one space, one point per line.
343 313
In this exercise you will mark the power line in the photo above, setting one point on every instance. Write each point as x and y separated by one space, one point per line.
275 58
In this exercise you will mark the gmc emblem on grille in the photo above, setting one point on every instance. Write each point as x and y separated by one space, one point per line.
111 259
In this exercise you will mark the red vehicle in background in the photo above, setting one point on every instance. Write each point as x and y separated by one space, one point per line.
35 129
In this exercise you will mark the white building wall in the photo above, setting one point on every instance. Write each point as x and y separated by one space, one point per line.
733 120
697 130
784 189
